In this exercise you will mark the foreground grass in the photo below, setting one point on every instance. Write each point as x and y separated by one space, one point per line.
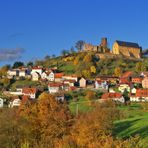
136 123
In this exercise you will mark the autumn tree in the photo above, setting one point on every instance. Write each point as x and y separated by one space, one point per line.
88 58
48 119
139 67
95 127
93 69
4 69
118 71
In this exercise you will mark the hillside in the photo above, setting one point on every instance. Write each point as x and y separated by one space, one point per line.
104 63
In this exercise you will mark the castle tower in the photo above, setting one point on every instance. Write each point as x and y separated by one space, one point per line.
104 42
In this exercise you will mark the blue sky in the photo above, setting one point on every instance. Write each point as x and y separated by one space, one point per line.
45 27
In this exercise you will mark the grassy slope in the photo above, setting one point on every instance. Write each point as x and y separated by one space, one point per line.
135 124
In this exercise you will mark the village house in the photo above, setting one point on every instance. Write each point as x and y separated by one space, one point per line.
51 76
70 77
18 92
82 82
113 96
141 95
137 80
15 102
127 49
110 79
123 87
1 102
58 77
101 85
37 70
55 87
145 82
44 76
12 73
35 76
69 82
30 92
22 73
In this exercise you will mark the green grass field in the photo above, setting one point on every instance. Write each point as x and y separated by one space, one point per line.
136 123
80 106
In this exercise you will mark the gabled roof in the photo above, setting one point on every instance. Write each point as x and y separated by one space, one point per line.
28 90
58 75
127 74
127 44
55 84
142 93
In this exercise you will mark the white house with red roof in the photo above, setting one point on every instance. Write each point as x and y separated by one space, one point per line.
55 87
51 76
38 70
141 95
113 96
35 76
30 92
58 77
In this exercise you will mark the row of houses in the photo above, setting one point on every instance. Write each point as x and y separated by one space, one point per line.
58 83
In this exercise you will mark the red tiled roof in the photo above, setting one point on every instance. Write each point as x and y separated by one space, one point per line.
28 90
111 95
73 88
142 93
137 79
58 75
71 81
55 84
124 81
127 74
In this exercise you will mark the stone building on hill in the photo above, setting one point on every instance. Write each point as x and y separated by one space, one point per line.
102 48
128 49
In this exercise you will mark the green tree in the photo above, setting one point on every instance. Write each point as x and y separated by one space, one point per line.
139 67
18 64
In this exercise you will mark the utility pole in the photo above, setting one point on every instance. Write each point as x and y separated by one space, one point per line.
77 109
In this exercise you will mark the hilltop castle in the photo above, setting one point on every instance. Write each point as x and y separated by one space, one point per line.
102 48
127 49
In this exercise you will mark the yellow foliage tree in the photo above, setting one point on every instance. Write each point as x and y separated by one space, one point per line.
93 69
118 71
